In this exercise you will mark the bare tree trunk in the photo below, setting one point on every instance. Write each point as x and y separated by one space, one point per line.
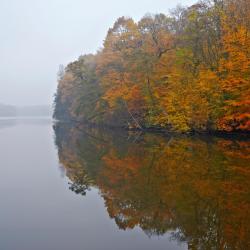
137 123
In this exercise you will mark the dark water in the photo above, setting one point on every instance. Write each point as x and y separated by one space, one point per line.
65 187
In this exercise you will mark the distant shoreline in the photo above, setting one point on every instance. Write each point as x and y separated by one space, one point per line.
7 111
25 117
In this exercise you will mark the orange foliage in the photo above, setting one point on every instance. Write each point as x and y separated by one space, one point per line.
189 71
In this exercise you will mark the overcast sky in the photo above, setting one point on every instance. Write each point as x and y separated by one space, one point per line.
38 35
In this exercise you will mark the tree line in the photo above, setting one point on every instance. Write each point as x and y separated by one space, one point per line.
185 71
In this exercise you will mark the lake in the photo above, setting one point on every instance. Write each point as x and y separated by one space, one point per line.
68 187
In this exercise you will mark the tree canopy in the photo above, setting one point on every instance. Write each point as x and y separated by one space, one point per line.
186 71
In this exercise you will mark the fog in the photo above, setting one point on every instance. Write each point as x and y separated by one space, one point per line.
37 36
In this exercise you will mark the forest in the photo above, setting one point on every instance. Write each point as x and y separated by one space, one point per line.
185 71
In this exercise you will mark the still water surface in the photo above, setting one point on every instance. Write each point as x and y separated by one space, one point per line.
68 187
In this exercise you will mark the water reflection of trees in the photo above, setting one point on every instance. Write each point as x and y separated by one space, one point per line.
197 188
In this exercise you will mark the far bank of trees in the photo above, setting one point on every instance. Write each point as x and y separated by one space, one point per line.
7 110
186 71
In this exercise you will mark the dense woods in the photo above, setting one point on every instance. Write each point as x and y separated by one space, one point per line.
186 71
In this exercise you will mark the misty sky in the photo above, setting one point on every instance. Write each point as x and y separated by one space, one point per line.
38 35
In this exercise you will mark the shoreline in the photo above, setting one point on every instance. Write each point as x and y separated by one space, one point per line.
164 132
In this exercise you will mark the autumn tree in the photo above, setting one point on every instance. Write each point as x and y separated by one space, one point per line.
78 91
235 67
186 71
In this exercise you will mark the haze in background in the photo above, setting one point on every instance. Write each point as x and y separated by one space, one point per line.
36 36
25 111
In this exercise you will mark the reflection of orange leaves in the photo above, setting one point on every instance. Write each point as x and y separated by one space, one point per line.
235 149
201 188
173 182
204 189
124 168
